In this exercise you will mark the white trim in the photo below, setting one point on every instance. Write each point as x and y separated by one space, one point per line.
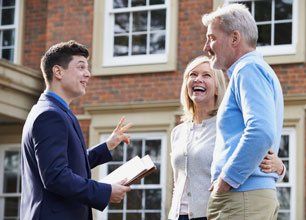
109 60
291 132
3 148
16 31
162 185
275 50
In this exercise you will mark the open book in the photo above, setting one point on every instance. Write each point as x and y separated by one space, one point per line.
133 170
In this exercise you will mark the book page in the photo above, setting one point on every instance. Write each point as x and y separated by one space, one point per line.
129 170
147 162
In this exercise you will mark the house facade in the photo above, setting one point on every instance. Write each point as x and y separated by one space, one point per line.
139 49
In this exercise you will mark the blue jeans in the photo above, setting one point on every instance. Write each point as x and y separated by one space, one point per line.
185 217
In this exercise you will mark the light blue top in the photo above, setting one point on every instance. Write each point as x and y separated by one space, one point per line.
249 123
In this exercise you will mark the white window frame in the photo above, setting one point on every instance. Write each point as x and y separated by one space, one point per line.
109 60
288 49
3 149
163 161
291 132
14 26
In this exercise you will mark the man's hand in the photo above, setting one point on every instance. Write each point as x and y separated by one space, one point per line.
118 192
118 135
220 186
271 163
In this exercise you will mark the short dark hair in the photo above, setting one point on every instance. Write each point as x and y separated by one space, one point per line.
60 54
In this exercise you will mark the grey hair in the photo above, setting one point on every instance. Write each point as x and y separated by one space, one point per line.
186 102
234 17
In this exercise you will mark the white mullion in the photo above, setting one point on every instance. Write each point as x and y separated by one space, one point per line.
2 198
1 43
130 34
143 200
143 141
148 31
16 31
163 174
273 23
138 8
292 176
125 198
253 8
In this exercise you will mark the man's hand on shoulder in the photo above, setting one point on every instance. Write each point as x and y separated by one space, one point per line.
118 135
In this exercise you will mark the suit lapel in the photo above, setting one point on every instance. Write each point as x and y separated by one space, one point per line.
75 124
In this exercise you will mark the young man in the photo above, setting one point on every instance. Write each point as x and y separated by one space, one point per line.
55 164
249 120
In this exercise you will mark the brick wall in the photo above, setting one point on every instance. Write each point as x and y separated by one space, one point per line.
34 41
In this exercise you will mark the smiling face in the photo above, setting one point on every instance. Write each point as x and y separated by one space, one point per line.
75 77
218 46
201 86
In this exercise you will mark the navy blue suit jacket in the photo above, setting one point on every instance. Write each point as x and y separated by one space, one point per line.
55 166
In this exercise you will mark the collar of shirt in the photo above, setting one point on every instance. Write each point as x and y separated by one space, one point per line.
57 97
232 67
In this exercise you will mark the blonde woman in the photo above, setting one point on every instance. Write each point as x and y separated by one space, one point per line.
193 141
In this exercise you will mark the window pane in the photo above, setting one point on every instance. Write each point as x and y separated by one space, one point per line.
283 195
114 216
134 149
120 3
122 23
158 20
8 38
138 3
8 54
117 153
157 2
11 207
284 146
263 10
153 199
121 47
157 43
133 216
112 167
140 21
283 216
8 2
283 9
115 206
134 198
264 35
154 177
7 16
11 161
153 148
283 33
10 182
152 216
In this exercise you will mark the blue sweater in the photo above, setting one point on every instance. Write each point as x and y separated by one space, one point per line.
249 123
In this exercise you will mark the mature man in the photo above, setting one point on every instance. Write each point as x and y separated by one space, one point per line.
249 120
55 165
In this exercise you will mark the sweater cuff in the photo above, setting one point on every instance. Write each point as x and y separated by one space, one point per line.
231 182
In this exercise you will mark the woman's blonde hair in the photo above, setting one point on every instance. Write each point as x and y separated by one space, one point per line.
186 102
